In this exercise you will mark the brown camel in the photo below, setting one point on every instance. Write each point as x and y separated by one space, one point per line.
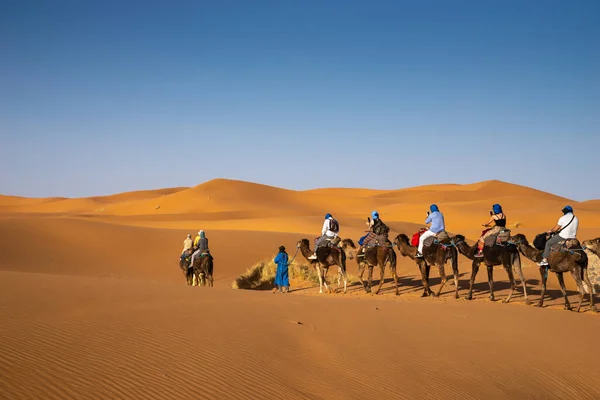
592 245
203 270
504 253
326 256
434 254
373 256
571 258
184 264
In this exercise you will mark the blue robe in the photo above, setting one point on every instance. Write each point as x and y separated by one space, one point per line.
281 277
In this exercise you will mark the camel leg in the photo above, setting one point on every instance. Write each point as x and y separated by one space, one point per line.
517 266
513 284
589 284
424 268
320 278
443 276
381 277
455 271
474 271
370 277
361 271
325 271
342 275
563 289
490 271
395 275
543 279
576 274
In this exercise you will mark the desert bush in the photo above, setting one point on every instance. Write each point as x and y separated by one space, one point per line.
262 275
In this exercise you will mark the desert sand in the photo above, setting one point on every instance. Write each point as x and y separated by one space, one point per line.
94 305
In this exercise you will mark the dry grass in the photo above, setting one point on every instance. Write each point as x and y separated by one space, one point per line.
262 275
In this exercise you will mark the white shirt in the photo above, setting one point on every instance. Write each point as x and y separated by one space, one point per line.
571 231
326 231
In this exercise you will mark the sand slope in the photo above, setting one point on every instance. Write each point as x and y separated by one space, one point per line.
93 304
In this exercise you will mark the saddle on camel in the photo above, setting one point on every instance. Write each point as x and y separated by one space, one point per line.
376 236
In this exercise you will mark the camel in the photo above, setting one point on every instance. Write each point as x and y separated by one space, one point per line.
203 270
435 254
505 254
592 245
570 259
373 256
326 257
184 264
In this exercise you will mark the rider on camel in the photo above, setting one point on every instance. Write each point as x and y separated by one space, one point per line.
376 228
566 228
498 219
436 219
329 231
200 244
187 244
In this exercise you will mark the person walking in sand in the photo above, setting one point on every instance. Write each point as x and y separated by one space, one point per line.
281 276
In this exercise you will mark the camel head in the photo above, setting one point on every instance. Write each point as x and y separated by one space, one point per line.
519 238
593 245
349 248
401 239
303 243
458 239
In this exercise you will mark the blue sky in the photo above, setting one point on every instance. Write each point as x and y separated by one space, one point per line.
103 97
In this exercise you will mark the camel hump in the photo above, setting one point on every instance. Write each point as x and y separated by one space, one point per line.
443 237
503 236
566 244
572 244
499 238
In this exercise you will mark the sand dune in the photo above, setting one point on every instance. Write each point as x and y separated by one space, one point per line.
93 304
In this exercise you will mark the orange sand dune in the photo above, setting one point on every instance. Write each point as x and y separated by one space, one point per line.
137 195
94 305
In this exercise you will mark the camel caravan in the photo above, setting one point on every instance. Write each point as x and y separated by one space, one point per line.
556 250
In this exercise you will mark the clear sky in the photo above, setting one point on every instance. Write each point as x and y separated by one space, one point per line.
98 97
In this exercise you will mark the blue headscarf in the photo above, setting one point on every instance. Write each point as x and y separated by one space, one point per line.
375 215
433 208
497 209
201 234
567 209
327 216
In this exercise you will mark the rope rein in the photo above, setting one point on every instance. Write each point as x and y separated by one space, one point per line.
293 258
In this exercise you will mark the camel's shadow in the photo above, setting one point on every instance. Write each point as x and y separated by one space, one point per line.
413 284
